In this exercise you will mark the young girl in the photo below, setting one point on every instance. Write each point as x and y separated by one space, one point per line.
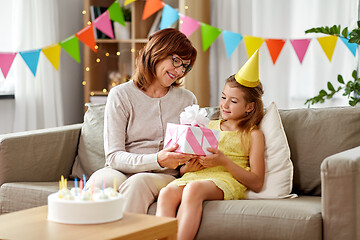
237 164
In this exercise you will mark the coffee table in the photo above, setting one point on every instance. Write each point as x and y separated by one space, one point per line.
33 224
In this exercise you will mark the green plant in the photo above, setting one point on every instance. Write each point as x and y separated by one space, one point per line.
351 88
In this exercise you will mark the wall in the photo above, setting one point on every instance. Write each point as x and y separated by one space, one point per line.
70 21
71 72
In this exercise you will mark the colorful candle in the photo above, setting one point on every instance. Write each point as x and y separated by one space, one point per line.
92 188
84 177
81 184
62 182
76 186
103 185
60 187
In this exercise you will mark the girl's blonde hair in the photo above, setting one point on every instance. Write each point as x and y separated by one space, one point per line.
251 94
160 46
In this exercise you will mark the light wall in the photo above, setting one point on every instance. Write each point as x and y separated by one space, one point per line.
71 76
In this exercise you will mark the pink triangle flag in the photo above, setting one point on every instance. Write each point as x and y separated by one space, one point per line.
300 46
6 60
188 25
103 23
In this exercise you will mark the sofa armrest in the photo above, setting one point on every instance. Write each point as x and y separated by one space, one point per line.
38 155
340 181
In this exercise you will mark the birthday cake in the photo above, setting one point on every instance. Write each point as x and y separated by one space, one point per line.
80 206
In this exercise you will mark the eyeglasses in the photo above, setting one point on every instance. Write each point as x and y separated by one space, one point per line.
177 62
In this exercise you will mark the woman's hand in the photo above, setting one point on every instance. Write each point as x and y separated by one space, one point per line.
216 159
170 159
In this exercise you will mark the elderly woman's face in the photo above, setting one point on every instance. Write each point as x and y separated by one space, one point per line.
167 73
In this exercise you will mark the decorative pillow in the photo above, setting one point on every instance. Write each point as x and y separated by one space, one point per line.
278 166
91 156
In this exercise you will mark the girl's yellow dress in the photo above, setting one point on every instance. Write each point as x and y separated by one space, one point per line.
235 146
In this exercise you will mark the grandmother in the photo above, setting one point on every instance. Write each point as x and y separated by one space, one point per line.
136 116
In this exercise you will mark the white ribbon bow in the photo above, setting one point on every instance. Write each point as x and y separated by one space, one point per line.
194 116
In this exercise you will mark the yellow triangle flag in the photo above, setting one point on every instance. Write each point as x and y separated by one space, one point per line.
252 44
52 53
128 2
328 44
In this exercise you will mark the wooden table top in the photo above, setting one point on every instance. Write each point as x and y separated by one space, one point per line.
33 224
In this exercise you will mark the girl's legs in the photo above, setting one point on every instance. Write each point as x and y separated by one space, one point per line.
168 200
190 210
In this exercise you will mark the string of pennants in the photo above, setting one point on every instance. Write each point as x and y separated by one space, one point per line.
188 26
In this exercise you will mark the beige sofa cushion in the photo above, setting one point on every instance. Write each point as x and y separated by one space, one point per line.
298 218
23 195
313 135
278 166
38 155
91 155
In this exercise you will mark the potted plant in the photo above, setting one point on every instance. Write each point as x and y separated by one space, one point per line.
351 88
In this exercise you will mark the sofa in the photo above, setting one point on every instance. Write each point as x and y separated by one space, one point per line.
325 152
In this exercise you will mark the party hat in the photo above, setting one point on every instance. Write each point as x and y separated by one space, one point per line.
248 75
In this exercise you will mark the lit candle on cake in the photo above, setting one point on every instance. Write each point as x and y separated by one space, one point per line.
84 177
103 185
60 187
76 186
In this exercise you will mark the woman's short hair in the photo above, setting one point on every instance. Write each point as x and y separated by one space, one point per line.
161 45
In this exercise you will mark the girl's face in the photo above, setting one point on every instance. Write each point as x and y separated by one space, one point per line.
166 73
233 105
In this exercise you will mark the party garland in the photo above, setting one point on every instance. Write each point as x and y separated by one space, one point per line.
169 16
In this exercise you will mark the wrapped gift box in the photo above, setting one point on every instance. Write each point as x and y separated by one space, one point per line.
193 140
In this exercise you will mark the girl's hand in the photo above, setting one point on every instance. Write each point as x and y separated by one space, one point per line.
192 165
218 158
170 159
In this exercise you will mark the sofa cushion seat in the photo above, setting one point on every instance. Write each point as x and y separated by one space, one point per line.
298 218
23 195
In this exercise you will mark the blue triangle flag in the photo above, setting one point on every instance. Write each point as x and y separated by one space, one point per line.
31 59
351 46
169 16
231 40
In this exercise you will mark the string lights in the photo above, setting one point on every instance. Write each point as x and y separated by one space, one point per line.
100 54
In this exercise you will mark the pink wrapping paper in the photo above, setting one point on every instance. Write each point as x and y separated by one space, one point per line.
193 140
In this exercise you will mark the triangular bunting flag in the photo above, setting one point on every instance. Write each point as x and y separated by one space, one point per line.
351 46
275 46
231 40
31 59
208 35
71 46
252 44
151 7
169 16
128 2
188 25
328 44
116 13
103 23
300 46
52 53
6 60
86 35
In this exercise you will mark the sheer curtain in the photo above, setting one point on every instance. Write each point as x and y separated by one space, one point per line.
33 25
287 82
